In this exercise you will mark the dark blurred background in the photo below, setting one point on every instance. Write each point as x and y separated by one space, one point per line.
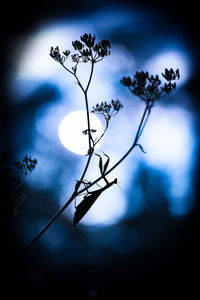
149 251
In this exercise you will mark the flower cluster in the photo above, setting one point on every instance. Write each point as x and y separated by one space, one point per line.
170 75
27 165
148 87
107 109
90 50
55 54
87 49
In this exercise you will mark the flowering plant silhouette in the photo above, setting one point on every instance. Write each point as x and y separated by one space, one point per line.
12 177
147 87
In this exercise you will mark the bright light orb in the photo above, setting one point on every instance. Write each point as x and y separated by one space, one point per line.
71 131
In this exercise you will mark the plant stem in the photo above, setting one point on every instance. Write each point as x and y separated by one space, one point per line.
76 192
107 122
87 109
141 127
88 123
146 119
90 153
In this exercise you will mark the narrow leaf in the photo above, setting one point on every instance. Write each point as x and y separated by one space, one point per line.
141 148
106 164
100 164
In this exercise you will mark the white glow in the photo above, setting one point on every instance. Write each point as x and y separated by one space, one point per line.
168 138
170 142
36 63
71 128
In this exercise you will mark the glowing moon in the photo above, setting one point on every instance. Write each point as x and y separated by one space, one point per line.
71 131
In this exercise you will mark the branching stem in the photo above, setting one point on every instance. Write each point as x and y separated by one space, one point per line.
141 127
106 127
144 86
77 191
90 153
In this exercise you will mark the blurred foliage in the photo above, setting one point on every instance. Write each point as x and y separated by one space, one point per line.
11 182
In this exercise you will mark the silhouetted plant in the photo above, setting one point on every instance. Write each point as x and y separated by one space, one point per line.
27 165
11 180
147 87
87 51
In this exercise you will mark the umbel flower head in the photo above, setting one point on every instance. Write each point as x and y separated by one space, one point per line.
90 50
108 110
27 165
55 54
87 50
148 87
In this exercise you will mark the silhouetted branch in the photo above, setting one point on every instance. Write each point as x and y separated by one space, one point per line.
76 192
12 177
147 88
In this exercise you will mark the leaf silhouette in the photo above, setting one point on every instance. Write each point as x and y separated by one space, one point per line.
106 163
141 148
100 164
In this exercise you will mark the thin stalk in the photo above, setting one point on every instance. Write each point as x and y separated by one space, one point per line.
77 186
107 122
79 83
88 122
127 153
87 108
144 124
73 73
90 78
67 69
76 192
141 122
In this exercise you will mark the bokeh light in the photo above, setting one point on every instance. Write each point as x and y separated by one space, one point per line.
169 138
140 238
71 129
